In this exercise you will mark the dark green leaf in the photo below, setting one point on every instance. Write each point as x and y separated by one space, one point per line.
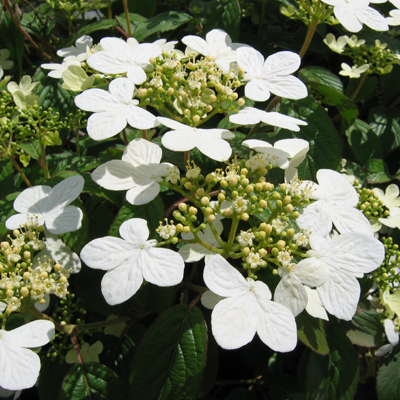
225 15
363 141
367 89
388 382
321 75
51 377
102 382
6 210
367 329
39 22
170 360
146 8
334 376
378 171
311 331
31 148
6 177
93 188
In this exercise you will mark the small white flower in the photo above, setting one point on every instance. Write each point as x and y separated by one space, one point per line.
240 205
81 50
217 45
251 116
271 75
113 110
49 206
353 72
394 19
208 141
336 45
353 41
119 57
246 309
245 238
254 260
129 260
58 69
26 86
352 14
21 366
335 205
4 63
139 172
391 196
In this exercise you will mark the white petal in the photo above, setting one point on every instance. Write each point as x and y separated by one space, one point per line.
312 271
170 123
96 100
18 220
197 44
136 74
209 299
63 220
32 199
315 218
391 333
293 146
182 140
291 294
373 19
122 89
34 334
257 89
282 63
216 149
135 231
106 124
139 195
109 62
347 219
194 252
251 60
163 267
314 305
288 87
114 175
141 151
114 44
247 116
347 17
140 118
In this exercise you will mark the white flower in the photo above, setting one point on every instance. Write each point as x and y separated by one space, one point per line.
246 309
394 18
76 79
271 75
129 260
208 141
217 45
119 57
4 63
193 252
348 256
352 14
81 50
245 238
353 41
391 196
336 45
335 205
25 86
353 72
139 172
113 110
49 206
58 69
20 366
314 306
251 116
392 335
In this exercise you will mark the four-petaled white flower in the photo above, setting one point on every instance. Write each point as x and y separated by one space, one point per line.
348 256
113 110
251 116
246 309
81 50
271 75
58 69
353 72
335 205
130 259
119 57
391 200
50 206
209 141
21 366
352 14
139 172
217 45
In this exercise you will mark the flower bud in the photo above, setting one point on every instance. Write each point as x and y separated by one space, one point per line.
211 218
241 102
200 192
24 291
280 244
205 201
182 207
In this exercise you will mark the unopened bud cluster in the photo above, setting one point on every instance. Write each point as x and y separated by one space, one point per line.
370 204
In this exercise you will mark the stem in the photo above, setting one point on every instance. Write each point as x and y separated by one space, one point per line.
44 166
109 10
263 6
232 234
364 77
25 33
124 137
80 359
186 157
144 134
310 33
17 167
195 288
78 147
128 22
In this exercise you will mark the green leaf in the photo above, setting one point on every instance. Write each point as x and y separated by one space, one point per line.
225 15
311 331
321 75
151 212
334 376
363 141
320 133
146 8
134 19
103 384
32 148
170 360
388 382
163 22
386 124
6 210
39 22
367 329
377 171
6 177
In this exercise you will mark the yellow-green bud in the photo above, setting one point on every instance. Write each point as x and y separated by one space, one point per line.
186 229
279 203
208 109
246 251
205 201
16 232
182 207
289 208
5 245
245 216
141 93
224 183
274 251
233 181
174 240
241 102
209 178
24 291
196 119
262 235
188 185
228 212
27 275
200 192
221 197
213 98
170 91
211 218
27 255
177 215
280 244
262 252
192 210
262 204
290 232
295 214
179 228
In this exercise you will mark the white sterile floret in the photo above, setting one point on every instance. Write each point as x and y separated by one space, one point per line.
394 18
130 260
246 309
251 116
352 14
25 86
217 45
271 75
4 63
353 72
119 57
210 142
139 172
49 206
81 50
21 366
314 306
336 45
193 252
392 335
391 196
348 256
58 69
113 110
335 205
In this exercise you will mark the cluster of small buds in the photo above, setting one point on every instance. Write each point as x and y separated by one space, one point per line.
23 279
307 11
196 89
387 276
370 204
